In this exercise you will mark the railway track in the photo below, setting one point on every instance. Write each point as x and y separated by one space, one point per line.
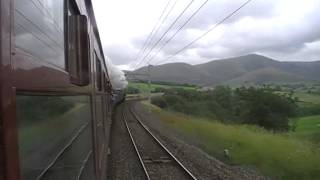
156 160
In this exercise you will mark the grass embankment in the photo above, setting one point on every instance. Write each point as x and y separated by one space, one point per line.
277 155
144 87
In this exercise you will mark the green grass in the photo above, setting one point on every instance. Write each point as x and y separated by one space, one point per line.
144 88
307 128
307 98
277 155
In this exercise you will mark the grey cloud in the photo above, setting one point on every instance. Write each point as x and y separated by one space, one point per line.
280 41
216 10
170 48
207 16
267 35
120 54
309 52
284 39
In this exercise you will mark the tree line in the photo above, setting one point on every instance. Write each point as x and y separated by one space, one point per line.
246 105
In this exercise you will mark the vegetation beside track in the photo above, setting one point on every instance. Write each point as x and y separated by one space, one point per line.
281 138
259 106
279 155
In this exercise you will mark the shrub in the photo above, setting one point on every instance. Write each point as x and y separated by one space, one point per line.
159 101
159 89
132 90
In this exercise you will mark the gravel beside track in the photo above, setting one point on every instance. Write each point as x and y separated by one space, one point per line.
159 164
202 165
123 162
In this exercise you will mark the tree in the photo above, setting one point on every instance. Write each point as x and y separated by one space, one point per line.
223 96
132 90
267 109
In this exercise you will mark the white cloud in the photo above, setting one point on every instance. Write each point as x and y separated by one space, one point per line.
282 29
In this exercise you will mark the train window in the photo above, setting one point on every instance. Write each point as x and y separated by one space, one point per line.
72 8
55 137
98 75
39 30
105 87
77 63
71 66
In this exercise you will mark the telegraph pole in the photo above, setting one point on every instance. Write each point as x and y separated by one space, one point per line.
149 83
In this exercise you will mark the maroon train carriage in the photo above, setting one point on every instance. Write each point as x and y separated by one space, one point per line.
55 91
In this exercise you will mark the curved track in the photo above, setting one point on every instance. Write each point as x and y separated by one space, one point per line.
157 161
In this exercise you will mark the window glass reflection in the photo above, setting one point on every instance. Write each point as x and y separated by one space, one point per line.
54 133
39 27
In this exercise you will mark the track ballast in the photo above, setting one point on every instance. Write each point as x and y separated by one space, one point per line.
157 161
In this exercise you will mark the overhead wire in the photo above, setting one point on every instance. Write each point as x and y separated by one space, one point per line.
205 33
181 27
164 19
155 33
152 31
166 32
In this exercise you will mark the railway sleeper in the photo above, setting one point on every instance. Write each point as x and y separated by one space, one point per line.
160 160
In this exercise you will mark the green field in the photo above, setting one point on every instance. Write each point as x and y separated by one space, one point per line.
144 87
278 155
307 98
307 128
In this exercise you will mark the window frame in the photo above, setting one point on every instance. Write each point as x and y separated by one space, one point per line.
70 6
78 45
99 73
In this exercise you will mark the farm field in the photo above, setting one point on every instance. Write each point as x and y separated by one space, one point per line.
279 155
307 98
144 88
307 128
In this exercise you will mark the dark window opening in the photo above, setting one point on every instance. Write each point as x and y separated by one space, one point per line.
71 9
98 74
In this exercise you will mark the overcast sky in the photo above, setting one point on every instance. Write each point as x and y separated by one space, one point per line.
286 30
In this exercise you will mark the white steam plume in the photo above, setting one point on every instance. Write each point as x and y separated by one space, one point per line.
117 77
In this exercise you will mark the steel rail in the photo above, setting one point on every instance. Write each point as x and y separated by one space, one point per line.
163 147
83 165
82 128
134 143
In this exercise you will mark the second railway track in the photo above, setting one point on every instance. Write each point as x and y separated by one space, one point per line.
157 161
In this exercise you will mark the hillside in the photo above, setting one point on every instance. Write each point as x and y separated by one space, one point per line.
173 72
250 69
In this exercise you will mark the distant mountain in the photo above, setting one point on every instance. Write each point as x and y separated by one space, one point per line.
251 68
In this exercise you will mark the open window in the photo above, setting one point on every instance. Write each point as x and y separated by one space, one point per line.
78 47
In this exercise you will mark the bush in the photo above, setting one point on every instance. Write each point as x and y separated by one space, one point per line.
159 101
159 90
267 109
132 90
